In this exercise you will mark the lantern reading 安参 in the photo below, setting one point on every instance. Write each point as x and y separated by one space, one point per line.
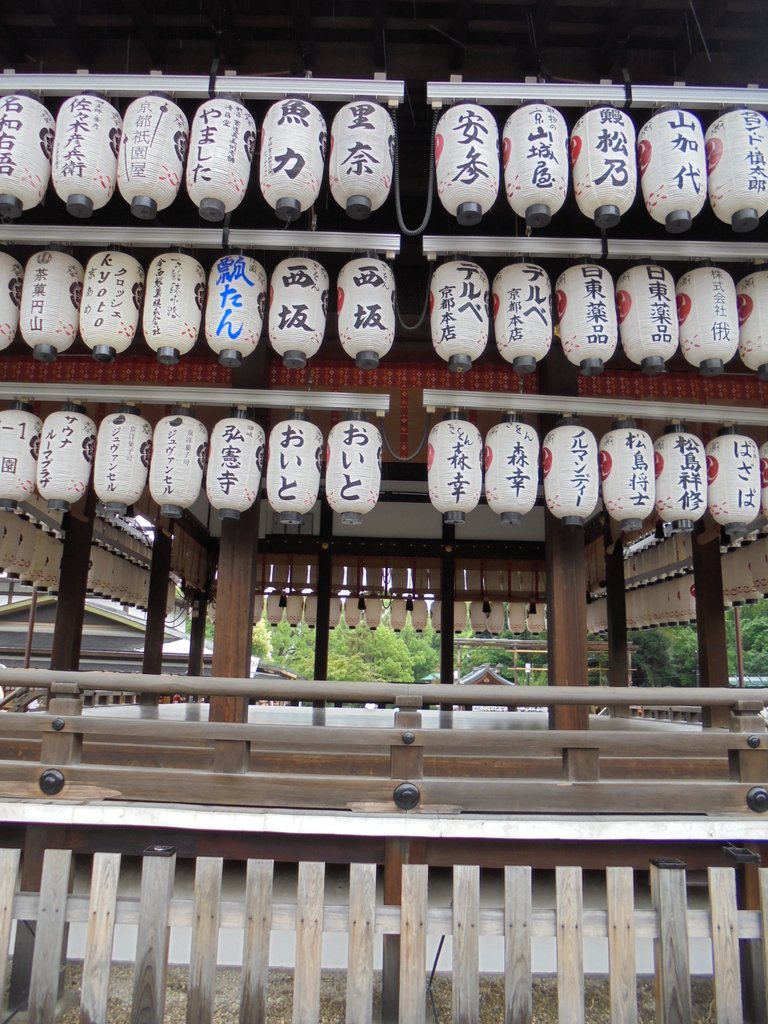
222 142
123 449
150 165
109 312
362 157
534 152
235 307
84 171
467 162
293 140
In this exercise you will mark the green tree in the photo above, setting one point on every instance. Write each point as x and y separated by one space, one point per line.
261 641
293 647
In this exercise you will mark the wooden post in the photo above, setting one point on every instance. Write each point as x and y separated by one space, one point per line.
672 976
618 651
157 602
73 583
447 598
324 576
195 662
710 617
397 852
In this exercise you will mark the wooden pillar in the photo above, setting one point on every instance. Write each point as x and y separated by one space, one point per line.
324 577
157 603
447 598
397 852
710 616
73 583
195 662
616 605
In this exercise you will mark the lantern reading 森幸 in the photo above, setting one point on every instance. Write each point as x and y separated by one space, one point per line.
522 315
298 307
467 162
708 319
535 156
67 445
152 151
454 468
586 309
123 449
737 154
235 307
20 430
647 316
365 302
11 278
27 134
733 481
295 459
458 304
222 142
353 469
627 474
173 306
179 453
109 312
511 459
570 473
603 165
673 169
293 140
85 150
752 306
681 478
50 303
235 462
361 158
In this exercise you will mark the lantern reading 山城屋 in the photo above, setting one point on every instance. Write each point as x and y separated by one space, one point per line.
467 162
123 450
361 158
458 303
534 152
454 468
150 165
222 142
522 315
673 169
84 171
235 307
298 307
293 140
570 473
113 290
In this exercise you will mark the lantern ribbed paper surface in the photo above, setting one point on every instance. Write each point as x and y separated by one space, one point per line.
737 154
373 611
298 307
570 472
419 614
334 612
362 155
673 169
434 614
752 306
535 156
50 303
179 452
397 613
67 446
173 305
708 318
235 307
222 142
536 619
496 618
123 450
352 613
112 296
511 470
293 468
353 469
11 276
733 481
645 301
152 152
365 301
522 314
586 309
84 172
478 618
459 616
235 463
681 478
274 609
27 132
20 433
293 140
294 609
454 468
627 475
310 610
458 304
467 161
516 617
603 165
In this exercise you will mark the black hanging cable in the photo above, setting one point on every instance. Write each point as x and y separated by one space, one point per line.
422 441
424 309
398 208
627 88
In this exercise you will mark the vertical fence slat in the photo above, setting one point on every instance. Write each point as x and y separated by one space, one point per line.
725 945
620 891
673 981
362 917
570 948
98 943
151 969
258 925
518 912
466 948
205 940
49 936
9 869
413 944
309 943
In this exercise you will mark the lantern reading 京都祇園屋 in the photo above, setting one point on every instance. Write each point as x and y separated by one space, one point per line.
113 290
361 157
365 302
627 474
458 304
295 459
153 148
222 142
27 136
173 305
511 459
353 469
20 432
586 309
85 150
737 155
235 462
235 307
733 481
603 165
454 468
293 140
467 162
522 315
673 169
50 303
179 453
534 152
708 319
298 307
11 278
570 472
67 446
123 450
647 316
752 306
681 478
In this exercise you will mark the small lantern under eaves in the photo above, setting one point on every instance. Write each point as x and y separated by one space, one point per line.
708 319
123 449
27 140
67 445
109 312
645 301
467 162
235 462
603 165
84 173
737 156
458 303
511 469
454 468
50 303
294 463
752 305
150 166
235 307
522 315
353 469
586 309
179 453
570 472
365 302
361 160
173 306
681 478
222 142
627 474
673 169
293 141
11 277
535 156
298 307
733 481
20 433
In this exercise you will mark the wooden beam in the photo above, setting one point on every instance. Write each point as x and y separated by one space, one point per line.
73 584
157 604
447 597
324 574
618 650
710 617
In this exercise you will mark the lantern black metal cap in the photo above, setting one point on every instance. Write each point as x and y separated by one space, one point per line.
58 505
711 367
288 209
294 360
230 357
454 518
172 511
44 353
745 220
652 365
212 209
678 221
228 513
682 525
459 363
607 216
351 518
524 364
79 206
630 525
117 508
358 207
510 518
103 353
736 531
8 504
762 371
538 215
592 367
144 207
469 214
167 355
290 518
572 521
367 360
10 206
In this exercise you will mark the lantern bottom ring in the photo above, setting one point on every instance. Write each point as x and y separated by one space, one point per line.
294 359
367 360
572 521
745 220
118 508
8 504
453 517
212 209
630 525
736 531
681 525
10 206
524 364
167 355
468 214
459 363
144 207
290 519
607 216
172 511
678 221
44 353
510 518
538 215
358 207
58 505
79 206
228 513
103 353
230 357
591 367
711 367
762 371
288 209
651 365
351 518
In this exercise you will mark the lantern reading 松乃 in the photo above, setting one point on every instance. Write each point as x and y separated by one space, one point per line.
603 165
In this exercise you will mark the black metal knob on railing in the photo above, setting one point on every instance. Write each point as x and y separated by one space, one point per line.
408 738
753 742
407 796
757 799
57 724
51 781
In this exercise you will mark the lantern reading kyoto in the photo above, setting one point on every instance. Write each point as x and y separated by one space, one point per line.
293 468
708 319
511 458
222 142
673 169
179 452
570 472
522 315
645 303
235 307
752 305
627 474
298 307
67 446
84 172
458 303
19 443
109 312
534 152
50 303
173 305
365 301
293 138
235 462
467 162
11 277
361 158
681 478
586 309
353 469
733 481
123 449
737 154
25 165
603 165
454 468
152 151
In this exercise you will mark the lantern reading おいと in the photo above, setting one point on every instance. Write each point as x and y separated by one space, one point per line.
603 165
467 162
235 307
84 172
27 132
50 303
458 303
173 306
362 157
454 468
534 152
109 312
293 139
673 169
353 469
222 142
365 301
152 152
123 449
293 468
570 472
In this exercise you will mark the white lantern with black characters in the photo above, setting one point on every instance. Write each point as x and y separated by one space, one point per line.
123 451
570 473
353 469
27 131
235 307
50 303
733 481
681 478
235 463
365 302
109 312
708 319
534 152
645 302
152 153
298 307
67 446
511 469
627 474
752 306
293 141
294 463
467 162
20 432
454 468
458 303
11 277
673 169
764 485
179 453
586 309
603 165
173 305
737 156
522 315
84 173
361 158
222 142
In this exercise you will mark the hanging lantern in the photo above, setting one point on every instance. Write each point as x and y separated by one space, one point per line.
511 458
419 614
353 469
152 151
603 165
234 311
764 483
294 609
536 619
362 157
708 319
733 481
50 302
522 315
645 302
20 433
293 138
737 153
334 612
478 615
365 301
673 169
84 172
459 616
235 462
222 142
627 474
298 307
586 309
516 616
67 445
353 613
275 608
397 613
310 610
458 306
11 277
373 610
752 305
454 468
570 472
123 449
435 613
173 305
467 162
109 312
535 156
179 451
25 166
681 478
293 468
496 620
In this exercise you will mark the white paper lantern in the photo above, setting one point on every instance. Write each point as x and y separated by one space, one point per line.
353 614
222 142
673 168
435 613
310 610
708 318
365 302
458 304
235 307
152 152
362 157
459 616
179 451
298 307
535 156
293 468
173 305
570 472
353 469
478 616
397 613
733 481
419 614
293 140
522 315
454 468
123 451
294 609
764 483
373 610
67 446
681 478
11 277
536 619
84 172
27 131
645 301
737 155
603 165
511 459
235 462
467 162
334 612
109 313
496 618
20 433
275 608
586 309
752 305
627 474
50 303
516 617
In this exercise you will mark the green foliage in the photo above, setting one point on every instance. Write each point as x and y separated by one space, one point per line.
261 641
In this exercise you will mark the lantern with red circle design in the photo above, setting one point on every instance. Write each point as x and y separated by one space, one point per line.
752 306
737 154
511 459
570 472
673 169
708 319
645 303
603 165
627 474
535 157
681 478
454 467
467 162
586 309
733 481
